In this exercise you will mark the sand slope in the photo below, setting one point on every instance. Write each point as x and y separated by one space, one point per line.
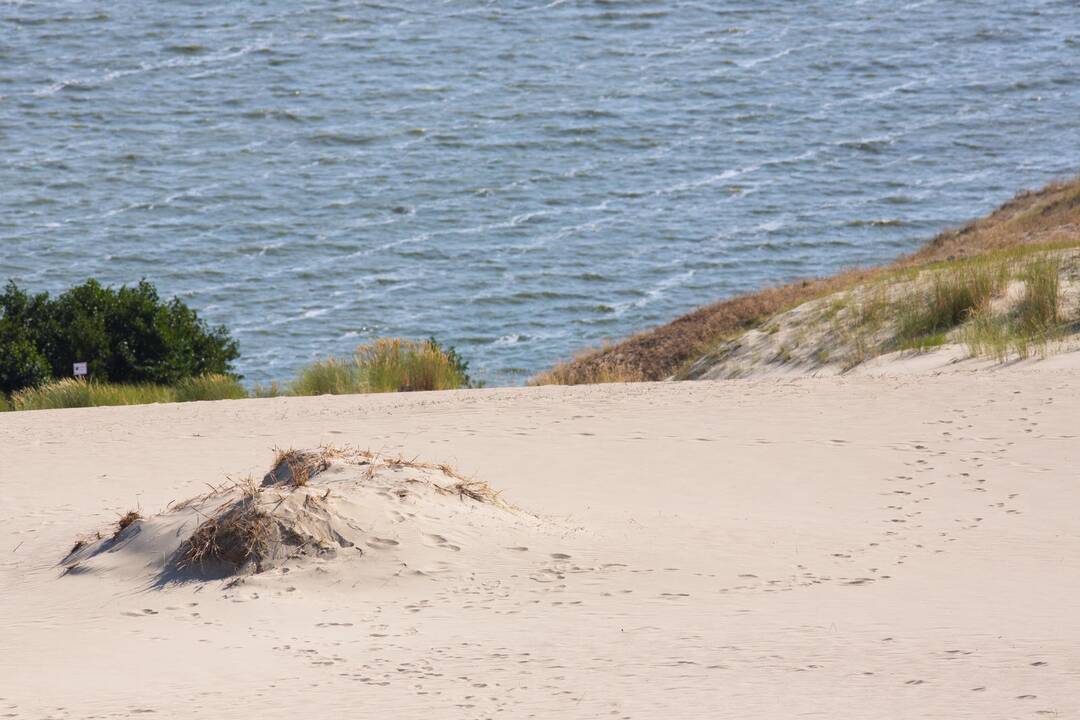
855 547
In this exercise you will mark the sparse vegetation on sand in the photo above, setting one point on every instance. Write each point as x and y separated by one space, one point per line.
294 512
237 535
1034 320
1048 219
1002 304
126 520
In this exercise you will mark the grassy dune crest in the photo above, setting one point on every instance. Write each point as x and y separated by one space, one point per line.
1048 218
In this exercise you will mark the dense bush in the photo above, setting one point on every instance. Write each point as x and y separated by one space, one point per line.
126 335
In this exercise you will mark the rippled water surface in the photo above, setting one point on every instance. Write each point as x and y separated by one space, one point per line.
521 179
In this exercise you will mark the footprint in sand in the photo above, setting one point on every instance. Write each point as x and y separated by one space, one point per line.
436 540
378 543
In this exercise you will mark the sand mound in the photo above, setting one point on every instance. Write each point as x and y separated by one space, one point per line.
312 505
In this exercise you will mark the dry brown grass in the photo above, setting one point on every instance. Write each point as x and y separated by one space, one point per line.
298 467
302 465
126 521
237 536
1050 216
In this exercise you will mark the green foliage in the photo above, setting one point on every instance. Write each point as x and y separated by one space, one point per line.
127 335
459 364
22 362
5 404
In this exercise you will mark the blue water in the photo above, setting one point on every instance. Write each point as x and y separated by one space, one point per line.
521 179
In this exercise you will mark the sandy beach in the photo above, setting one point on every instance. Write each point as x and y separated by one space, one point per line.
843 547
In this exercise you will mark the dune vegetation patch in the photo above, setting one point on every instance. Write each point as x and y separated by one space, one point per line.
1005 304
386 365
312 504
1048 218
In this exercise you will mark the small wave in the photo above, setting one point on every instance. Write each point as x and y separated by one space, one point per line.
187 49
884 222
341 138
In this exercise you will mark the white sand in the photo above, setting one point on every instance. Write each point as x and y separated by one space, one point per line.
860 547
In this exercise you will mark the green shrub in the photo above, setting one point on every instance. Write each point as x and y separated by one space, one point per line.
125 335
209 387
5 404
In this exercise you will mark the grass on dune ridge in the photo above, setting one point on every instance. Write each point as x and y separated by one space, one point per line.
1048 218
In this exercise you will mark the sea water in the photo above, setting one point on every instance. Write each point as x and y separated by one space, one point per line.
520 179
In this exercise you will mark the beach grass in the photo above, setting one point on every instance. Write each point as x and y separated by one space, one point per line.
395 365
72 393
328 377
951 296
76 393
209 387
1031 325
385 365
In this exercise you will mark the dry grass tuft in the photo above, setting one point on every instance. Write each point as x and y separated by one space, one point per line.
126 521
472 489
236 537
301 466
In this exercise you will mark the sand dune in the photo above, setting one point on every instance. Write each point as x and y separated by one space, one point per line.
841 547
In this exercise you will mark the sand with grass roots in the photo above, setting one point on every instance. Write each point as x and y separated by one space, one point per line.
897 546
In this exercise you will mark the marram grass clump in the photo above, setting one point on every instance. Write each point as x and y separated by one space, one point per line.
386 365
951 296
1030 325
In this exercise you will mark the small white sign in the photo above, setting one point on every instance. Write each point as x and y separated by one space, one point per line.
80 369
